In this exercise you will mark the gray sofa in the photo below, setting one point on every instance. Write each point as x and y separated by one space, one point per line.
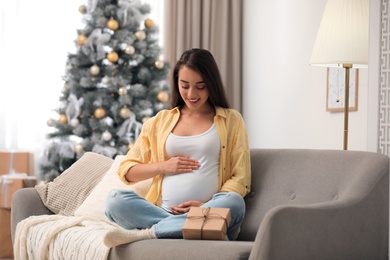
304 204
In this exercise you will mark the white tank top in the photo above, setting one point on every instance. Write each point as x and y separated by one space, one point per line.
200 184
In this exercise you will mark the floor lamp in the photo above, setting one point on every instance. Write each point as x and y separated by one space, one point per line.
342 41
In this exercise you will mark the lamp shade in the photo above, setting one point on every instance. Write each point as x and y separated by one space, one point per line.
342 37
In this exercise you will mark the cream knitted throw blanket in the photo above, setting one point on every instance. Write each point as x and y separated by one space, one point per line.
60 237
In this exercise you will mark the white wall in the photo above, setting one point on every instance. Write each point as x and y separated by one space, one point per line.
284 99
374 62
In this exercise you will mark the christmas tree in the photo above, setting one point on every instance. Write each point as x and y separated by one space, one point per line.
113 82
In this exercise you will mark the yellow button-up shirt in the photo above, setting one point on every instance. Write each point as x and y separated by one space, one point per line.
234 164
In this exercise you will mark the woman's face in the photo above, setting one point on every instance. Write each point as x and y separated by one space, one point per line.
193 89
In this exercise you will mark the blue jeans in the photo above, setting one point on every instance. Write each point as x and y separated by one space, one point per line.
131 211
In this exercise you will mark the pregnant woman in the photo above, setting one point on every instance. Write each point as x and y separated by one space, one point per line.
197 153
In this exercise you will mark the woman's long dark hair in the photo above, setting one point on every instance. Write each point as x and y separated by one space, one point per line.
203 62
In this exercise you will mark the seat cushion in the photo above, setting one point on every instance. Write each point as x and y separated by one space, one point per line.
173 249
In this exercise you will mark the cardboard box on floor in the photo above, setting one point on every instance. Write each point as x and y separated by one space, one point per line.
6 249
21 162
10 183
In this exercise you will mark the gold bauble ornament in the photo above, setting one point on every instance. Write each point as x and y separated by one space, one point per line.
63 119
130 50
94 70
82 9
149 23
113 56
99 113
122 91
124 112
112 24
140 35
159 64
81 39
162 96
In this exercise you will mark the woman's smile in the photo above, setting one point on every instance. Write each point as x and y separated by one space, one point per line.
193 100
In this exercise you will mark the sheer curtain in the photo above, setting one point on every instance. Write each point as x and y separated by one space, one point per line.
210 24
35 38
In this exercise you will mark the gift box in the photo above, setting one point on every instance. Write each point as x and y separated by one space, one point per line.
206 223
9 183
17 161
6 250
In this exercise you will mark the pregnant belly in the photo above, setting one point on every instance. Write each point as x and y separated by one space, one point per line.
179 188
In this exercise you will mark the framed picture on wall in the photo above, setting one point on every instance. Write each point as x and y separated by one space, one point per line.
335 90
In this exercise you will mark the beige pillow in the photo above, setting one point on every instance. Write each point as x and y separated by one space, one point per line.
65 193
95 204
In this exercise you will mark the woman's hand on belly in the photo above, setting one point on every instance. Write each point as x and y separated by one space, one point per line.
179 164
185 206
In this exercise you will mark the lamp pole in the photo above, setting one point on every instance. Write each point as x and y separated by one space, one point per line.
346 104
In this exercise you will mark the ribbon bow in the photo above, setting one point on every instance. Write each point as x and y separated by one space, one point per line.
92 5
125 5
127 126
98 39
74 107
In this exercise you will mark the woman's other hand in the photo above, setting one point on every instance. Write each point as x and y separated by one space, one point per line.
185 206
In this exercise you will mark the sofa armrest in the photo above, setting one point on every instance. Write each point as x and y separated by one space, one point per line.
335 230
25 203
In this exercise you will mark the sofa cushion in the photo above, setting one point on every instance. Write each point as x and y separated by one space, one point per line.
168 249
95 204
68 191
